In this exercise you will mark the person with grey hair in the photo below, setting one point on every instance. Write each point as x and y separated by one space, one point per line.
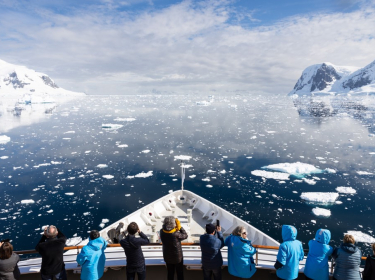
171 235
51 248
240 254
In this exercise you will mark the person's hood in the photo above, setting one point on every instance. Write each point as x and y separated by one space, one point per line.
289 233
349 248
323 236
96 244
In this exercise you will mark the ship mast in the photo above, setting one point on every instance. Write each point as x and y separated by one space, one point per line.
182 175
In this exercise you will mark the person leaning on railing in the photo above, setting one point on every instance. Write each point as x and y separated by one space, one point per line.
240 254
92 257
289 255
210 244
8 261
135 261
369 272
51 248
316 267
171 235
347 259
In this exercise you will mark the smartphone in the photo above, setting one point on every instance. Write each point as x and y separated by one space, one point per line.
217 223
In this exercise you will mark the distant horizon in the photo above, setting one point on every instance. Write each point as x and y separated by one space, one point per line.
184 47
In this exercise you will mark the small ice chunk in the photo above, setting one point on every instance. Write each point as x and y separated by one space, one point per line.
182 157
309 181
321 212
128 194
143 174
313 221
364 173
330 170
69 193
348 190
50 211
122 146
4 157
209 186
192 176
124 119
104 221
108 176
145 151
321 197
111 126
27 201
102 165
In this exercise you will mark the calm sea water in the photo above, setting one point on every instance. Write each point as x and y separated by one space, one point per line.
54 161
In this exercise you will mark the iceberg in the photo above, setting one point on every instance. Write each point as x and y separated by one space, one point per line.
297 169
4 139
348 190
271 175
320 197
321 212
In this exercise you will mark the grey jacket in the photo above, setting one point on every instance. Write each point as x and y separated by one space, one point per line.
9 269
347 258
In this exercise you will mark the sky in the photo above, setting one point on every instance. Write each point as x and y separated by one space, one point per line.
184 47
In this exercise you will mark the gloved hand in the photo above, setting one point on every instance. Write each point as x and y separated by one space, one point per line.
178 225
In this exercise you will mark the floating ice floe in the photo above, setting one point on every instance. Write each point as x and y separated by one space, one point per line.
4 157
298 169
309 181
186 165
364 173
128 194
69 193
182 157
330 170
108 176
102 165
4 139
361 237
111 126
209 186
320 197
27 201
348 190
145 151
192 176
321 212
271 175
143 174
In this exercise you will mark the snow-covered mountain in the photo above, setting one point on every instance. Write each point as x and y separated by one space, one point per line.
328 79
19 81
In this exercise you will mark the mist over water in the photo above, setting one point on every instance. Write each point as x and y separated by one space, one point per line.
78 173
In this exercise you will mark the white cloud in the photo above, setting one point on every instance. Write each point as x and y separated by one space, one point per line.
184 47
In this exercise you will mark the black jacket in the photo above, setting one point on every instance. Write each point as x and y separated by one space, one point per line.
133 250
52 250
369 272
172 251
9 269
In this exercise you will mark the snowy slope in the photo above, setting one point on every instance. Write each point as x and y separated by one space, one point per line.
18 81
328 79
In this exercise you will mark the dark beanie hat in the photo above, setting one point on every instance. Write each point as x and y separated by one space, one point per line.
210 228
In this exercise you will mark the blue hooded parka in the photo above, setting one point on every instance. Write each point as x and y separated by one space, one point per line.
290 254
240 256
92 259
317 260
